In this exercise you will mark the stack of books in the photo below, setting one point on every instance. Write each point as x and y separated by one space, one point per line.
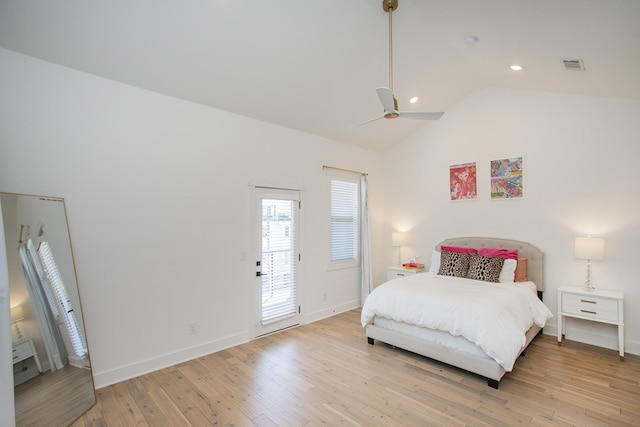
413 266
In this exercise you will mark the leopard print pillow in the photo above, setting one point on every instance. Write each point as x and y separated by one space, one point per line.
485 268
453 264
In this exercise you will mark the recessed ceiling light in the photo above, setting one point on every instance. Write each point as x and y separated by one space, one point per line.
470 39
414 99
516 67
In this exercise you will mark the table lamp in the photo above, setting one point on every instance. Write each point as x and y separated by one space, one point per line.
589 248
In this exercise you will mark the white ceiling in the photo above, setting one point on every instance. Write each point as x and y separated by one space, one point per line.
314 65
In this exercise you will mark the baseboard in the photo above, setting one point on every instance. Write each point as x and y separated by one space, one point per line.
632 347
122 373
331 311
78 362
600 340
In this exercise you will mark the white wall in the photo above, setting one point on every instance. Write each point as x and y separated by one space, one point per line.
157 195
581 177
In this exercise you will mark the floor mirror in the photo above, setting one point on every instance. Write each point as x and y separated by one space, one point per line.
51 365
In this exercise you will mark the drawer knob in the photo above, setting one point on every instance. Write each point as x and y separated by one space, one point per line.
587 311
587 301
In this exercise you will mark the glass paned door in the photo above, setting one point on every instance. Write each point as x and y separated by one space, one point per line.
277 266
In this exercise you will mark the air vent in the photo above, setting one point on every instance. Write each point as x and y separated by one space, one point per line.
573 64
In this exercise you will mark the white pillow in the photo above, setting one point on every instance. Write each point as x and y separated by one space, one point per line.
435 263
508 272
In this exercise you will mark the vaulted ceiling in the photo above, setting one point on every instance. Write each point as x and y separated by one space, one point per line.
314 65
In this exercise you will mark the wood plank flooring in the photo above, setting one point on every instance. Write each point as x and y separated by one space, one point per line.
54 398
325 373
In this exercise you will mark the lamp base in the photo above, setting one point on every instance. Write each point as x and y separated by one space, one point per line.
18 332
588 285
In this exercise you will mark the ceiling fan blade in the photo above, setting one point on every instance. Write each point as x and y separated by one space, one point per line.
368 121
420 115
386 98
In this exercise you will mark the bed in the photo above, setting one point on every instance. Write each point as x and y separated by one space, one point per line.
457 348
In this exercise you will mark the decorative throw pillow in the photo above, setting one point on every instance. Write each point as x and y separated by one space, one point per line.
459 249
521 270
485 268
503 253
453 264
435 262
508 272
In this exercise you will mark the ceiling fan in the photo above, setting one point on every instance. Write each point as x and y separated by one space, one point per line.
385 94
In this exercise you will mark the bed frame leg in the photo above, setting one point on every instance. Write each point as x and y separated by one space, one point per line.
493 383
370 340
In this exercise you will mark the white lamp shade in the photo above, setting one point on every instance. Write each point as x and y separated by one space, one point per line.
399 238
589 248
17 313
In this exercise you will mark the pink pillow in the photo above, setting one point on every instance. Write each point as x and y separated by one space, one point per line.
502 253
459 249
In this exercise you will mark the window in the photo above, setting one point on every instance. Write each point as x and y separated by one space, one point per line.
344 223
64 302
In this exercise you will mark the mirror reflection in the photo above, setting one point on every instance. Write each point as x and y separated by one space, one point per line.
52 372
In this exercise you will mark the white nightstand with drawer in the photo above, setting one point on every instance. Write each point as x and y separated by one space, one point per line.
395 272
22 351
599 305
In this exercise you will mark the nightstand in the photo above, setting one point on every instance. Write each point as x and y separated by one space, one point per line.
22 351
599 305
395 272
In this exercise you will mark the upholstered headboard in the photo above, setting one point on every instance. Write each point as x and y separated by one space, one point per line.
535 263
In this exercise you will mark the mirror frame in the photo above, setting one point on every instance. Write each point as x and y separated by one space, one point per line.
29 390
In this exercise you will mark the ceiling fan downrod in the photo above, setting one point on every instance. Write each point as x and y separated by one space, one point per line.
389 6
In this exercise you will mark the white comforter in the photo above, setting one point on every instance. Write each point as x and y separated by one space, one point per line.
494 316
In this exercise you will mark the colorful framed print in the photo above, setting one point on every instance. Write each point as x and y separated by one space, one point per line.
462 181
506 179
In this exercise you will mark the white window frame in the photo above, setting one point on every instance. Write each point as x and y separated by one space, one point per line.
354 262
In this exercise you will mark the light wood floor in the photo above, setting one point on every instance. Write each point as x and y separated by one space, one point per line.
325 373
54 398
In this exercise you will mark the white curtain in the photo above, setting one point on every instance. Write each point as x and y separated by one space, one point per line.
366 283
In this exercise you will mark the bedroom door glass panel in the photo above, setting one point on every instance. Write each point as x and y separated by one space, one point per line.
277 265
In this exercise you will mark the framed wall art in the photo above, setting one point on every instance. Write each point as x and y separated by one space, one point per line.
507 178
462 181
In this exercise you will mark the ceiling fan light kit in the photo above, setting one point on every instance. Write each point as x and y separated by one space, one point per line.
388 100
